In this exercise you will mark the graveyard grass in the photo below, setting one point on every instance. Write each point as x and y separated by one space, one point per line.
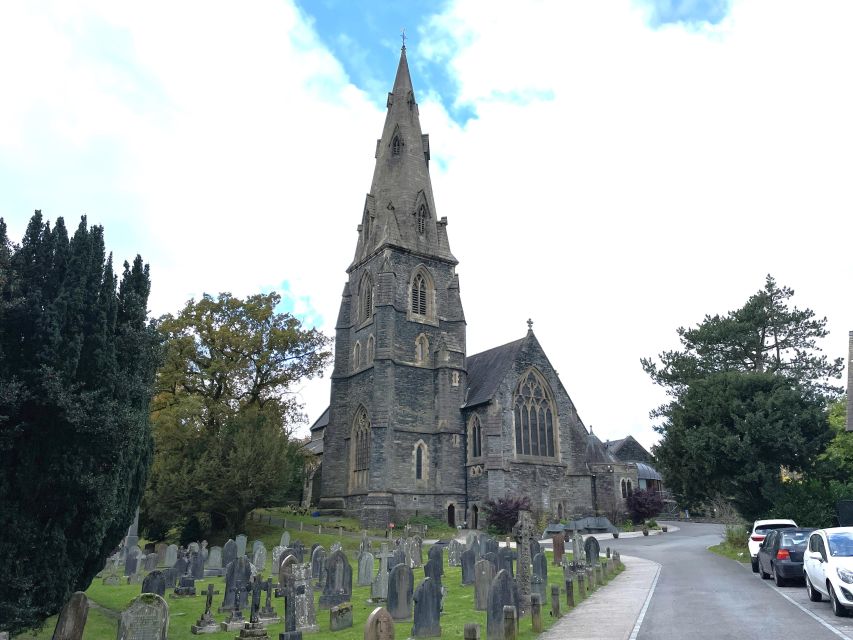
107 602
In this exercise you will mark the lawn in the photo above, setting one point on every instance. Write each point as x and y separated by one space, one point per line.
108 601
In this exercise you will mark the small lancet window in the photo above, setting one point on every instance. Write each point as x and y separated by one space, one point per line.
419 295
371 350
396 146
356 356
419 463
422 216
421 349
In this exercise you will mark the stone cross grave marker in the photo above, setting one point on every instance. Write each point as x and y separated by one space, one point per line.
523 531
72 620
237 576
147 618
379 587
400 590
206 623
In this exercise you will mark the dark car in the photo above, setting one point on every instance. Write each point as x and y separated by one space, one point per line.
780 556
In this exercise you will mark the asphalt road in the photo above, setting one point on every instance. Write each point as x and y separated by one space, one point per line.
702 595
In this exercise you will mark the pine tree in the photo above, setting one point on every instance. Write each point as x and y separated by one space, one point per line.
77 363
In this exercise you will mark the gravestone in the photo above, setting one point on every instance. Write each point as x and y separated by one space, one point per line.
502 593
469 558
399 557
131 561
318 565
592 550
470 540
150 562
268 613
558 544
213 566
287 587
365 569
401 585
340 617
577 548
436 552
260 558
160 549
432 569
171 555
427 599
285 571
535 547
284 541
504 559
539 582
336 546
193 547
197 565
182 565
306 616
379 625
492 545
417 551
72 620
237 576
147 618
364 545
155 582
492 557
379 587
298 550
523 531
241 544
338 586
255 545
454 553
205 552
484 573
206 623
277 557
229 553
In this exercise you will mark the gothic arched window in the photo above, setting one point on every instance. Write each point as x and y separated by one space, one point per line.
422 216
365 298
396 145
421 349
630 489
371 349
421 460
624 488
360 450
475 437
534 415
356 356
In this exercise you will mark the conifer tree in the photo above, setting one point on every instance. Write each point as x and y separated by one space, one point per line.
77 363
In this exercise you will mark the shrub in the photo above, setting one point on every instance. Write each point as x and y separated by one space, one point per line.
736 536
644 504
502 514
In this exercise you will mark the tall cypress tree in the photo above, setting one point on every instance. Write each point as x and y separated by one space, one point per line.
77 364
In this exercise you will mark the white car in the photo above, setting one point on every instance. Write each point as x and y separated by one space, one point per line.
760 528
828 568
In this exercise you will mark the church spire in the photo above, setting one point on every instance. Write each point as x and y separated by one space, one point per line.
400 209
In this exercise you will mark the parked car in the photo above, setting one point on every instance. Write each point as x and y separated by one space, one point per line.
760 528
780 555
828 568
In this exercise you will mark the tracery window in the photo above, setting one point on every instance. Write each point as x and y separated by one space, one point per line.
422 216
421 349
475 436
419 295
396 146
356 356
371 349
534 417
365 298
360 449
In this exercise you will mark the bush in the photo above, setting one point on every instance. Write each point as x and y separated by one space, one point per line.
644 504
502 514
736 536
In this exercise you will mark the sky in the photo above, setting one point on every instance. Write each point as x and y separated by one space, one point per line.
612 170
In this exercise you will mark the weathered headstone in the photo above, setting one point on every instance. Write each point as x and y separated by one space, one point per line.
241 544
284 541
260 557
492 557
379 625
182 565
504 559
468 559
171 555
338 586
298 550
197 565
427 598
193 547
365 569
147 618
400 590
539 581
335 546
558 544
502 593
150 562
160 549
417 545
432 569
436 552
318 565
229 553
591 550
484 573
306 616
206 623
155 582
213 565
454 553
470 539
277 557
364 545
340 617
72 619
237 576
379 587
131 561
255 545
399 557
535 547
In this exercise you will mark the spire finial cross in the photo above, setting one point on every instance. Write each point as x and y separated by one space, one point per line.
403 36
529 324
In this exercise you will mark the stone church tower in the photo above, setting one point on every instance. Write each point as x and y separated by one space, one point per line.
393 445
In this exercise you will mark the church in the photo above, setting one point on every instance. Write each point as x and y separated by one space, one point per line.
415 425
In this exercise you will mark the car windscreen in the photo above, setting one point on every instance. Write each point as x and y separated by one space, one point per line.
764 528
841 544
794 539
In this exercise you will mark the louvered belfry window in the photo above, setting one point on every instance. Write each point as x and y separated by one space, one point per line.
396 145
360 444
422 216
534 418
419 295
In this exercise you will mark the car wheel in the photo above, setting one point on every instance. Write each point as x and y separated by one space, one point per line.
837 608
764 575
814 594
780 581
754 565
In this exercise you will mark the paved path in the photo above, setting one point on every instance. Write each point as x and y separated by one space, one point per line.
611 612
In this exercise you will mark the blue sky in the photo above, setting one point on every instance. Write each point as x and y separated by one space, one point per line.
649 161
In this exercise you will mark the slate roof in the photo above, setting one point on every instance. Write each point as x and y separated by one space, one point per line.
613 446
487 369
322 422
596 451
